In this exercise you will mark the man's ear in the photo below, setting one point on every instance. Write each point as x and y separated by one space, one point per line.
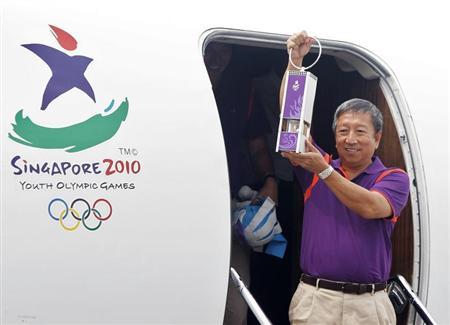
377 139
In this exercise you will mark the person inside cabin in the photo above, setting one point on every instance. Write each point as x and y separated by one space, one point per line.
351 206
249 161
272 283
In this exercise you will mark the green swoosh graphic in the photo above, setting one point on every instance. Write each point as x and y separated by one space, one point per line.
73 138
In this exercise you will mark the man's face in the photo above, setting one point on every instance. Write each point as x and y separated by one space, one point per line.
217 56
356 140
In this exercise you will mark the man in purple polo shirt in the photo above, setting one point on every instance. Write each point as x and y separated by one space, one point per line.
351 205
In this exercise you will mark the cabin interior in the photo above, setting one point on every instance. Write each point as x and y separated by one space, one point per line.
274 280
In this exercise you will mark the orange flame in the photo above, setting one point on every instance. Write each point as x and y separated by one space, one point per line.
64 39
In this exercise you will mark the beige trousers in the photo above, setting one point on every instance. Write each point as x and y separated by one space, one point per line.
321 306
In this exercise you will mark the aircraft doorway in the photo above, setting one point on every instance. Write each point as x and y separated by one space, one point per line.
261 58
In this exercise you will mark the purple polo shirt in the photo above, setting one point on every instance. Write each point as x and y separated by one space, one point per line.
338 244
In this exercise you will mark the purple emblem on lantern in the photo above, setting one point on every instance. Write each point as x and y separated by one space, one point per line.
288 141
294 96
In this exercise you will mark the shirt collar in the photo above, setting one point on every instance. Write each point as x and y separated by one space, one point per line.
374 168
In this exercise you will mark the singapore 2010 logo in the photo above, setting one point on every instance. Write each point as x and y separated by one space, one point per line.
67 74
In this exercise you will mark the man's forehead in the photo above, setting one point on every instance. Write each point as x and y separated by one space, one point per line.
355 117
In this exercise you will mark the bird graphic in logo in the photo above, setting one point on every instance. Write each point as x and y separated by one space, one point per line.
67 73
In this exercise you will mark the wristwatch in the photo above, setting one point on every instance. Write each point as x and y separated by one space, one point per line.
326 172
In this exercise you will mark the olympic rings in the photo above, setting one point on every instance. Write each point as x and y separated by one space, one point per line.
80 217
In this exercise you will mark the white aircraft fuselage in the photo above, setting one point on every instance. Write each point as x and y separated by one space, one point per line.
115 197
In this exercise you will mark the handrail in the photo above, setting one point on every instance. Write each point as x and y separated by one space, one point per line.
414 300
247 296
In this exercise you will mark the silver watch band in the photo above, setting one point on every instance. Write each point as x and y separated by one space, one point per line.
326 172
